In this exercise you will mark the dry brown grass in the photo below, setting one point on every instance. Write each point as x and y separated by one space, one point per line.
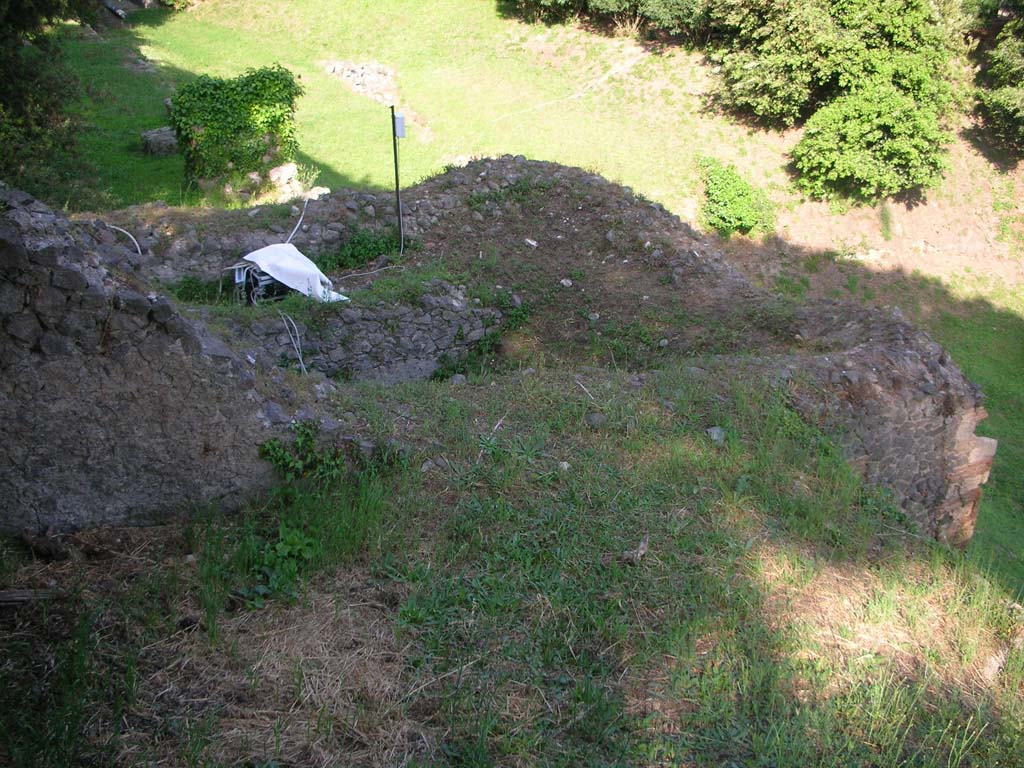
316 684
918 633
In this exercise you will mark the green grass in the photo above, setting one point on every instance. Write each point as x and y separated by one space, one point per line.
482 87
546 640
527 640
118 105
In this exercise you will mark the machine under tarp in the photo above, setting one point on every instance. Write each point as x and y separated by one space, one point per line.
284 263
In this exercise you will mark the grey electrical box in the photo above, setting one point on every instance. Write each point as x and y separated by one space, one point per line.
399 125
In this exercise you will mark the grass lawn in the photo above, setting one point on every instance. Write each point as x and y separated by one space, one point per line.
483 86
490 609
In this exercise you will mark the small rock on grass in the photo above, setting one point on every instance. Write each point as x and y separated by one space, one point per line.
595 420
457 380
565 282
717 435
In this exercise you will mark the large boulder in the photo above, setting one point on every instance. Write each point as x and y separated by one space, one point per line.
160 142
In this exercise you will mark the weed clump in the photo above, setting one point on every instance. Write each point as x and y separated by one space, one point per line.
360 248
323 514
731 203
193 290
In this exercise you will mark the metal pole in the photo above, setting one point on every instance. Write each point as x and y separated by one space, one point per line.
398 192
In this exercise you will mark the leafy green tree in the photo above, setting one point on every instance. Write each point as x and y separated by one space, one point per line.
777 58
673 16
872 79
1003 101
35 87
873 142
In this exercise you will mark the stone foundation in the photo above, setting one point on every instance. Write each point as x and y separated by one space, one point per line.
118 408
385 343
904 413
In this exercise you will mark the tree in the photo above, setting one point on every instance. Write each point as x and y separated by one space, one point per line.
34 85
874 142
1003 100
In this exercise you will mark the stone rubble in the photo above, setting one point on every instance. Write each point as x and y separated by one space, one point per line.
383 343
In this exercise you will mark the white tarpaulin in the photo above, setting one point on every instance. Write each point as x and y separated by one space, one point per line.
287 265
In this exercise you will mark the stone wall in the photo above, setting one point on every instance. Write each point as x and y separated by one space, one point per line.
383 343
120 409
178 249
116 409
904 412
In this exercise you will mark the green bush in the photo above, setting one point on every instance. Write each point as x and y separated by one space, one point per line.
873 80
777 59
874 142
239 125
673 16
782 60
731 204
361 247
1003 103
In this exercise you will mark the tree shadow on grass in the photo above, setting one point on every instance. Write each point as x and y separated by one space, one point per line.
978 132
552 650
981 137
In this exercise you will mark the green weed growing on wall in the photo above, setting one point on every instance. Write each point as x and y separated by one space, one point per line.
237 125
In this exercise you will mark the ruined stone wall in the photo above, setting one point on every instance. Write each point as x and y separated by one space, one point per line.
383 343
183 250
115 408
118 408
904 413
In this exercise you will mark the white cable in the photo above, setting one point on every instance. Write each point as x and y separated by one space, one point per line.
125 231
299 222
295 339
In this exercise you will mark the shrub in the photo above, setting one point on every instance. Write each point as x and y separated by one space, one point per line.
777 58
239 125
790 60
1003 103
36 135
361 247
874 142
673 16
782 60
731 204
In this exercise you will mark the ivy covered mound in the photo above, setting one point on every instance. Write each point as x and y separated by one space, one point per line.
238 125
